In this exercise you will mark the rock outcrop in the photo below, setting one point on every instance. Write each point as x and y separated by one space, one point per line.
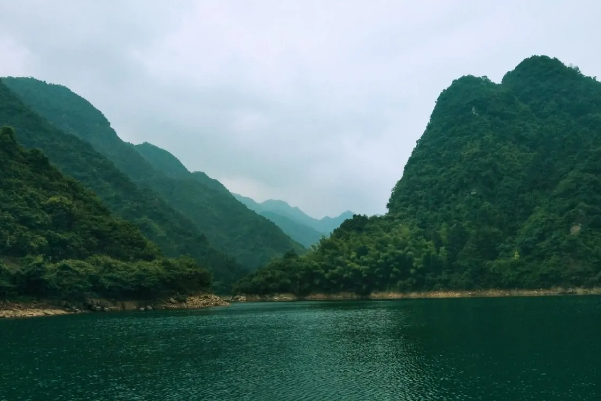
33 309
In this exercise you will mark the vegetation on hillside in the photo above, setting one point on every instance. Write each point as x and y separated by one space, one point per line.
163 225
293 221
251 239
502 190
57 239
305 235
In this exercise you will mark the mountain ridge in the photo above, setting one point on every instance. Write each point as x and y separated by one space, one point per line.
251 239
59 241
324 225
502 190
174 234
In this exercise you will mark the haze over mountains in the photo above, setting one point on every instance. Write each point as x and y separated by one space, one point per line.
293 221
181 211
501 191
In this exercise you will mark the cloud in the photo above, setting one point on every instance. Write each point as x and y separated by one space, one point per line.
318 103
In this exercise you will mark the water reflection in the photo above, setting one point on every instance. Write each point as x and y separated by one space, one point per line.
456 349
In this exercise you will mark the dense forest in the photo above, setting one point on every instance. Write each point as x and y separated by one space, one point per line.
502 190
158 221
58 240
250 239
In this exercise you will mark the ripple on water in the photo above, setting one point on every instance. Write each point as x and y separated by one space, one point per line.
489 349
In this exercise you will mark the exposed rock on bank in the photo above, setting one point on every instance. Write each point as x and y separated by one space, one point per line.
195 302
33 309
46 308
191 302
426 294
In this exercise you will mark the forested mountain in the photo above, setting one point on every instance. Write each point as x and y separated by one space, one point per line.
58 240
159 222
502 190
306 228
170 165
251 239
210 203
307 236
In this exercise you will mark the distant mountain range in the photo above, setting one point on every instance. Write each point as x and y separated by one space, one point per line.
293 221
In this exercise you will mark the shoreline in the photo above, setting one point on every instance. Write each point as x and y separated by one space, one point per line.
19 309
41 308
389 295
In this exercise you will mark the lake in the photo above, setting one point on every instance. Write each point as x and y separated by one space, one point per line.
546 348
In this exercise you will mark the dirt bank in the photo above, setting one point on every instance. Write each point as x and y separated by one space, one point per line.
10 309
426 294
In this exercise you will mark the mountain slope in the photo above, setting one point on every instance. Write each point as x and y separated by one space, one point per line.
305 235
58 240
293 221
174 234
502 190
209 203
325 225
251 239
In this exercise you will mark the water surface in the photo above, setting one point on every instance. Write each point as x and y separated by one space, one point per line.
437 349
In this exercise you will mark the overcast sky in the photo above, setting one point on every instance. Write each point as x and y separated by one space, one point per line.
318 103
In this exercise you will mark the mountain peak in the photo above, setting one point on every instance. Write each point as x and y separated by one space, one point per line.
540 69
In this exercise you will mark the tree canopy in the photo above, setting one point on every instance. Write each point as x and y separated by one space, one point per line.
58 240
501 191
156 219
228 225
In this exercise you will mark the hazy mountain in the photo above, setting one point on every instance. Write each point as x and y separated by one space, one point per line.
157 220
251 239
324 226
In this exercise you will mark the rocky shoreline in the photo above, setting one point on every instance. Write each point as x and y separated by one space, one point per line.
288 297
10 309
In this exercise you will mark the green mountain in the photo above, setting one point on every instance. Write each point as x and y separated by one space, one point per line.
209 203
164 161
250 239
293 221
158 221
57 239
170 165
305 235
323 226
502 190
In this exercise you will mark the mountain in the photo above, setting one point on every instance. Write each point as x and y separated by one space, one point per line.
57 239
251 239
209 203
170 165
293 221
328 224
503 190
324 226
158 221
305 235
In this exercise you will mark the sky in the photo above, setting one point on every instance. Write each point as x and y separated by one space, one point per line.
318 103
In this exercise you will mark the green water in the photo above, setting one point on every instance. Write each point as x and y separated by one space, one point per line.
455 349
